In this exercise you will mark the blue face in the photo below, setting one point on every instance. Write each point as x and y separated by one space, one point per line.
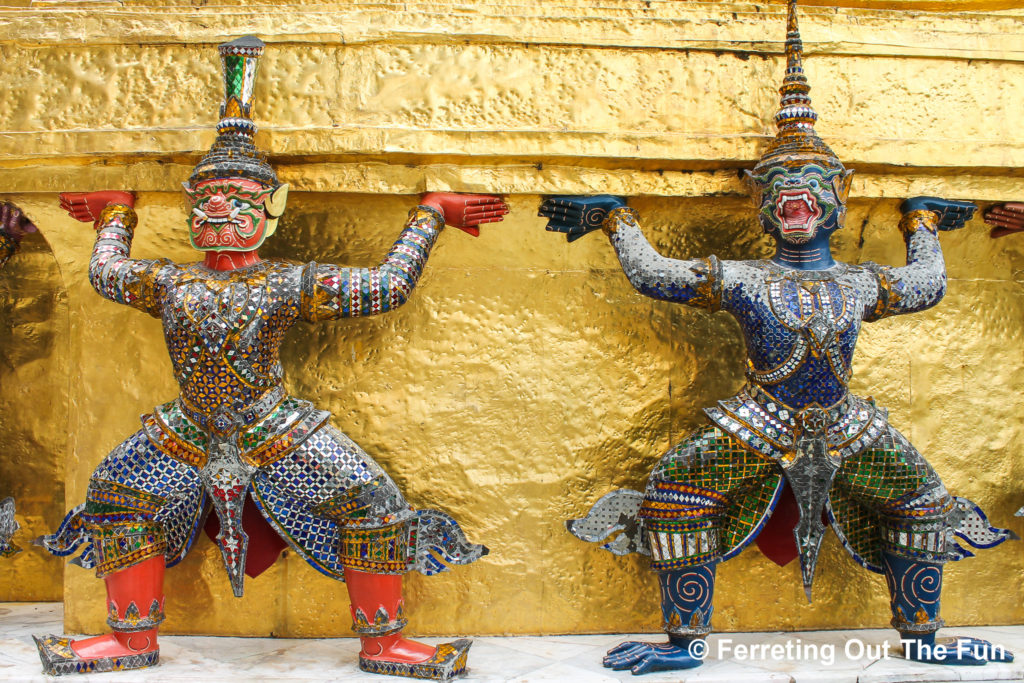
801 204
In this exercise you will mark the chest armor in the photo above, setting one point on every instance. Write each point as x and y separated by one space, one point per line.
810 338
222 336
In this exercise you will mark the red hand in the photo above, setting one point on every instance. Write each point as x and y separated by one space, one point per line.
86 206
466 211
1007 218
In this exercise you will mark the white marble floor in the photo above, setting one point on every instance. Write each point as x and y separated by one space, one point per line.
813 656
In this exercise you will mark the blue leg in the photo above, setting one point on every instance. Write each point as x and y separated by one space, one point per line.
686 596
914 590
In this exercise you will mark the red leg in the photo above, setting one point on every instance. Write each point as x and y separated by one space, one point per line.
377 612
135 605
378 618
131 595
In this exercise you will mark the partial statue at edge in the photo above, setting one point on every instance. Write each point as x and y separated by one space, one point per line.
1006 218
793 436
269 464
14 225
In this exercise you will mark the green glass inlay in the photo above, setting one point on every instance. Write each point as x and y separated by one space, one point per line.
234 74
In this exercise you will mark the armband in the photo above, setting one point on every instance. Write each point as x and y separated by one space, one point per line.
622 215
123 213
920 219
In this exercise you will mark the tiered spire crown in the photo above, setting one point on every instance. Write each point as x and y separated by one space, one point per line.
796 142
234 154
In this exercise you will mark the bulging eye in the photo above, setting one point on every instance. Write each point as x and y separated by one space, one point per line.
238 204
814 184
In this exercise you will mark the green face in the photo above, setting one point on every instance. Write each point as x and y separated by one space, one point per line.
228 214
797 204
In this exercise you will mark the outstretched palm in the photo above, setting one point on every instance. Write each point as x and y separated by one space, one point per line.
14 222
87 206
467 212
576 216
953 214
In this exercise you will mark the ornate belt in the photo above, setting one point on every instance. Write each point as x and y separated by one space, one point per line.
812 420
224 420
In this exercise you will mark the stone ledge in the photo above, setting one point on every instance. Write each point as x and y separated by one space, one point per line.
720 27
509 179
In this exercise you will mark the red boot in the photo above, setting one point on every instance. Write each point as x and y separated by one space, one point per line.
384 650
132 643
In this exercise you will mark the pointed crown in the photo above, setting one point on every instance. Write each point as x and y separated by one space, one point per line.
796 142
233 154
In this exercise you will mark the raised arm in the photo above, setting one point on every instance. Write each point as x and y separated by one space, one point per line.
695 282
13 226
922 282
331 291
134 282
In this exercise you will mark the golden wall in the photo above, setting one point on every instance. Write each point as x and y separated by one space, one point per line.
525 378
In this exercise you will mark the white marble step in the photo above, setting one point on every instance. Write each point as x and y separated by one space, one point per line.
805 657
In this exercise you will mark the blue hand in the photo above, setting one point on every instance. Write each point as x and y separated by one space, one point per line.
640 657
958 651
576 216
952 214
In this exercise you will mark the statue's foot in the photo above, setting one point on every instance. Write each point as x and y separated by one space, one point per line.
957 651
61 655
404 657
396 649
640 657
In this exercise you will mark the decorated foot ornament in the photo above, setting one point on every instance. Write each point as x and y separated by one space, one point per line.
794 443
273 469
378 616
132 643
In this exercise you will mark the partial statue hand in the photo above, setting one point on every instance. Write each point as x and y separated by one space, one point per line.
957 651
466 211
1007 218
14 222
576 216
86 206
953 215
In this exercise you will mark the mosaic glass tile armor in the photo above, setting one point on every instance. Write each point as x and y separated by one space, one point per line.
233 434
8 527
223 332
794 424
710 495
